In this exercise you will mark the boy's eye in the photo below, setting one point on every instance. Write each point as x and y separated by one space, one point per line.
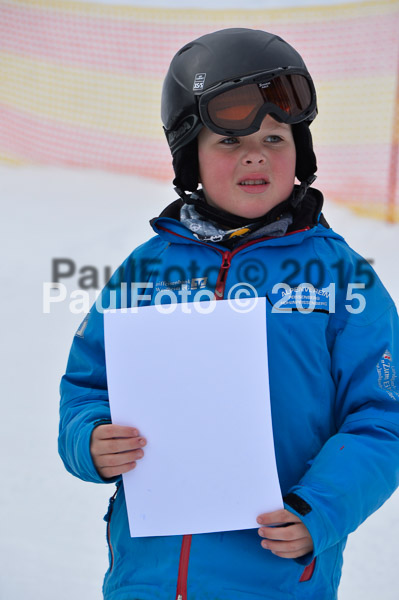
272 139
229 140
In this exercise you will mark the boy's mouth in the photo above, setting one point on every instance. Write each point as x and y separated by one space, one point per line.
253 182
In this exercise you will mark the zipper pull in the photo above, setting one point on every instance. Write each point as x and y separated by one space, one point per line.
107 517
221 282
226 260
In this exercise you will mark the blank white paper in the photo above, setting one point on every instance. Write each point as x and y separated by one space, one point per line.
196 386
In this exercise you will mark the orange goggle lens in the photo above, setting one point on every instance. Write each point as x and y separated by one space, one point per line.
238 107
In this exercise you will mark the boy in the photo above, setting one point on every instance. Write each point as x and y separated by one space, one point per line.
236 108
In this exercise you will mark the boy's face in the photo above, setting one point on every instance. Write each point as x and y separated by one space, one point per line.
247 176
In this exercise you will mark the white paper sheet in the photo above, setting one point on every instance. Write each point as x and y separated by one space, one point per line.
196 386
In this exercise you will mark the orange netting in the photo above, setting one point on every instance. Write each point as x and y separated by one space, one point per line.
81 84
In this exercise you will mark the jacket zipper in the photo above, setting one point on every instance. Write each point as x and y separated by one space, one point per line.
108 519
181 590
227 256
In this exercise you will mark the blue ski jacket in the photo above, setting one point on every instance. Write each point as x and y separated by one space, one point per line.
332 337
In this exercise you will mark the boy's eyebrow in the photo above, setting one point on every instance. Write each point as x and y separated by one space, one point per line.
273 126
277 130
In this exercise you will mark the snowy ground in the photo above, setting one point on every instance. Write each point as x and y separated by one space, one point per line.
52 542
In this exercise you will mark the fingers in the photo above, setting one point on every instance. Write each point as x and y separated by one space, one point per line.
115 449
291 542
119 458
284 534
105 432
117 445
283 551
287 534
277 517
109 471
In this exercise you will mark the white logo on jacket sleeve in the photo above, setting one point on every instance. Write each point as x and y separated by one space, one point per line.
387 375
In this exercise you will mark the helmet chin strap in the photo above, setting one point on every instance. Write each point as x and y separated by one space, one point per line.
299 192
182 194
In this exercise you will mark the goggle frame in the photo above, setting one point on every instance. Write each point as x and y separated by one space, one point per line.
307 114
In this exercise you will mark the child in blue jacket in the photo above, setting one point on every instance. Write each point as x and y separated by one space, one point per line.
236 109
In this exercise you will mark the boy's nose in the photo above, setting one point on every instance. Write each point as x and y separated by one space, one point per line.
254 156
258 160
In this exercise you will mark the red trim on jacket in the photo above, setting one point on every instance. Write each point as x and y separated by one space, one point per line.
308 571
181 590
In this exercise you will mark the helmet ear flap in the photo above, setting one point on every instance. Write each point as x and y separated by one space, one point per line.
306 164
185 165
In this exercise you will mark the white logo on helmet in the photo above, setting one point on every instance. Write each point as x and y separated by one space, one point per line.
199 81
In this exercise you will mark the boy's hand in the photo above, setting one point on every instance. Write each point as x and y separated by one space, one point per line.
290 540
115 449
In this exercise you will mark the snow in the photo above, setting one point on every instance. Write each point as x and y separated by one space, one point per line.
52 541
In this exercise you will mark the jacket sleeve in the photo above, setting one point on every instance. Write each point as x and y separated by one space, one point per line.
358 468
84 395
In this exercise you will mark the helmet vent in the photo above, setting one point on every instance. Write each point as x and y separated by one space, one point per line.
184 50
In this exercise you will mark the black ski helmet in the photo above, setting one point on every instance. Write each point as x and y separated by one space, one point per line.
227 57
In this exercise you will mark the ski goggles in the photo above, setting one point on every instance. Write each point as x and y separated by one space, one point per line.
238 107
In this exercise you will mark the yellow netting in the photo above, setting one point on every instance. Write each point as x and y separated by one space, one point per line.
81 84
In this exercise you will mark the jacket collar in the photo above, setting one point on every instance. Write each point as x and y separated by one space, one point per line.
307 216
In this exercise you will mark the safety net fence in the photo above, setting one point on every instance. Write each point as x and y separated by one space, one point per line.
81 85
